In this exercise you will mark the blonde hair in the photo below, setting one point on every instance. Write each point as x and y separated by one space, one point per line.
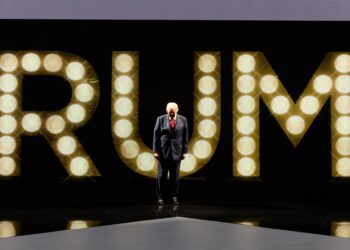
171 105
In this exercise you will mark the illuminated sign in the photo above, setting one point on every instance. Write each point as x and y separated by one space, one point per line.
253 78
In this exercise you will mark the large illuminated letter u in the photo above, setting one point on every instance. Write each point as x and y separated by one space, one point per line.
207 111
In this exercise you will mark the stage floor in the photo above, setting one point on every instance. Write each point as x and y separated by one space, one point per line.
41 216
175 233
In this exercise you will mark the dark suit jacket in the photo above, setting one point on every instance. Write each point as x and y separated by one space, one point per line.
164 143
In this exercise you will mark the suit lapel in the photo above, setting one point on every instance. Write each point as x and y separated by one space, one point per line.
177 123
167 122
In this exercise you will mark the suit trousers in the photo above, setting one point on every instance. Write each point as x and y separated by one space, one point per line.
163 183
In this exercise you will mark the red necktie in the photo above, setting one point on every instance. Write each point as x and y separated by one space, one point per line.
172 124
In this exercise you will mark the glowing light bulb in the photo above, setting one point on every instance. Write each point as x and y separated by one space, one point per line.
246 104
8 62
189 163
246 166
31 62
295 125
146 162
53 63
322 84
123 84
309 105
342 104
207 85
269 84
246 145
246 125
79 166
124 63
8 83
207 63
342 63
75 71
31 122
246 84
280 105
246 63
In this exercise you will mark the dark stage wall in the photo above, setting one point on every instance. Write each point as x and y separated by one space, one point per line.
166 50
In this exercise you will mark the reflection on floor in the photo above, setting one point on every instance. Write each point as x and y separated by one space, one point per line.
311 218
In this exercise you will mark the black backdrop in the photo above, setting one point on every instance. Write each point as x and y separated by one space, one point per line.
294 49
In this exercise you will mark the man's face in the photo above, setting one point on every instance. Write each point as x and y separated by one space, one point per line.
172 111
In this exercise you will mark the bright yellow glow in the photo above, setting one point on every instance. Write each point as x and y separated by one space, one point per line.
55 124
78 224
295 124
123 84
309 105
202 149
246 84
53 63
246 166
129 149
207 128
123 128
66 145
249 223
84 92
7 145
8 124
8 103
342 84
7 229
8 62
342 63
75 113
124 63
31 62
7 166
342 104
246 63
343 145
323 84
207 85
189 163
207 106
341 229
123 106
343 167
31 122
246 145
342 125
146 162
246 125
75 71
207 63
280 105
79 166
269 84
246 104
8 83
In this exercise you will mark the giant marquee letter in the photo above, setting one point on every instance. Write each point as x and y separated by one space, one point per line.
254 77
207 108
57 126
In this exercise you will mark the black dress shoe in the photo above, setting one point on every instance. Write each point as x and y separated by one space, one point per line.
160 202
175 201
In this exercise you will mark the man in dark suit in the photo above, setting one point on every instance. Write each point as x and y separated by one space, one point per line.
170 139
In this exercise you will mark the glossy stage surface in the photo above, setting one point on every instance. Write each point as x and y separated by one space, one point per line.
175 233
30 218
